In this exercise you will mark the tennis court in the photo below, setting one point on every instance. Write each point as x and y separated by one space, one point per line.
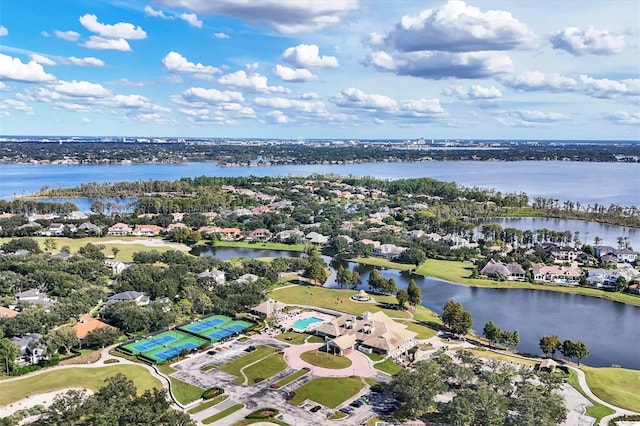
153 342
163 354
206 323
227 329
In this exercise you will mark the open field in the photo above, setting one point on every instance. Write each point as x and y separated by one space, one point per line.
238 364
264 369
617 386
90 378
326 360
332 298
260 245
127 245
459 272
328 391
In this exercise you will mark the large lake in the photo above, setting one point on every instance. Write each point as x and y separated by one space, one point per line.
587 183
610 329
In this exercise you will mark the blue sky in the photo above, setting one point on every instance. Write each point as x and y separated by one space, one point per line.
321 69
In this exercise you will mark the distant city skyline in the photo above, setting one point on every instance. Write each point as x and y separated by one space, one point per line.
348 69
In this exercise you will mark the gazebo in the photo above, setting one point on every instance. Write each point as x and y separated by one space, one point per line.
361 296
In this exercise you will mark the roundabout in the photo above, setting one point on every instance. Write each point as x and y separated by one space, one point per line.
326 360
359 363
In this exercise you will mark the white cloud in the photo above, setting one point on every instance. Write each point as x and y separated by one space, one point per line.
121 30
45 34
3 31
624 117
607 89
86 120
13 69
356 98
284 16
307 56
421 107
67 35
385 106
457 27
43 60
221 35
278 117
531 81
87 61
472 93
594 41
81 89
191 19
14 104
175 62
299 75
441 65
149 11
3 86
309 95
292 104
253 81
529 118
211 96
101 43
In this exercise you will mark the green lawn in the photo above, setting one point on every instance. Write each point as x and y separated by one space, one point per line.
326 360
338 415
328 391
260 246
90 378
423 331
459 272
333 299
222 414
266 368
503 357
292 338
617 386
208 404
236 365
383 263
596 410
208 367
388 366
290 378
184 392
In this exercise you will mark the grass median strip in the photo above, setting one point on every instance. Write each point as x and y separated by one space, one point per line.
222 414
205 405
328 391
264 369
236 365
290 378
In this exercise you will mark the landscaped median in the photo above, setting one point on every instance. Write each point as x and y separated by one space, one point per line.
274 365
208 404
325 360
183 392
290 378
264 369
222 414
328 391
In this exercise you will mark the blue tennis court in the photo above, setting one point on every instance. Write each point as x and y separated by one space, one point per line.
149 344
172 352
228 329
204 324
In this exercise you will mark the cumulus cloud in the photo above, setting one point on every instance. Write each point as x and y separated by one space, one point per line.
457 27
472 93
531 81
13 104
211 96
3 31
15 70
441 65
278 117
101 43
175 62
121 30
592 41
299 75
191 19
607 89
43 60
308 56
624 117
149 11
88 61
252 81
67 35
284 16
291 104
381 105
221 35
529 118
356 98
76 88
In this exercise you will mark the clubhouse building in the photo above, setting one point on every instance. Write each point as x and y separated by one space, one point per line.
371 333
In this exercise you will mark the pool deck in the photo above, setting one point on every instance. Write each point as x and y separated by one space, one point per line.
286 320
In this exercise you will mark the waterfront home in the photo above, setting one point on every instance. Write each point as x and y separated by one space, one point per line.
388 251
174 226
119 229
229 234
290 234
260 234
556 274
561 254
77 215
46 216
620 255
32 348
147 230
511 271
457 242
316 239
371 333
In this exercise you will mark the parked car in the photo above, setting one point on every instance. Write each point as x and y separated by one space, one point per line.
315 409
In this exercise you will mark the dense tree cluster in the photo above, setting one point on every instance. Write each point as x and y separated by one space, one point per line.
456 318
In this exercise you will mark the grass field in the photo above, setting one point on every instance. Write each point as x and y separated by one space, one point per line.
332 298
238 364
388 366
292 338
126 250
325 360
423 331
617 386
503 357
260 246
383 263
222 414
459 272
201 407
597 411
328 391
290 378
184 392
264 369
90 378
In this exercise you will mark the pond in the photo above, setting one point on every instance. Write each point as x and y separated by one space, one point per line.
608 328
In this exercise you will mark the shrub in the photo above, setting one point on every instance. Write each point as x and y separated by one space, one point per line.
290 395
212 392
274 386
258 379
263 413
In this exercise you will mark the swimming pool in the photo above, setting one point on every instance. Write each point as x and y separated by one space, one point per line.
302 324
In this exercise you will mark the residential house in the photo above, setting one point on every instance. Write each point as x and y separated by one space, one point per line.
626 255
316 238
561 254
147 230
90 228
416 233
7 313
457 242
53 230
139 298
46 216
214 275
388 251
371 333
229 234
35 297
32 347
63 255
115 265
178 217
260 234
247 278
174 226
556 274
77 215
290 234
511 272
86 324
621 255
210 215
119 229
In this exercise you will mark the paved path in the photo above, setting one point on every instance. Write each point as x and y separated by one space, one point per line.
360 365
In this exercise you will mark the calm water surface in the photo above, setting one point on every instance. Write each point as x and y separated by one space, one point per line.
608 328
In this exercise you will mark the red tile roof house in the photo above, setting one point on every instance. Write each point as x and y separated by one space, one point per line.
147 230
259 234
86 324
119 229
7 313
